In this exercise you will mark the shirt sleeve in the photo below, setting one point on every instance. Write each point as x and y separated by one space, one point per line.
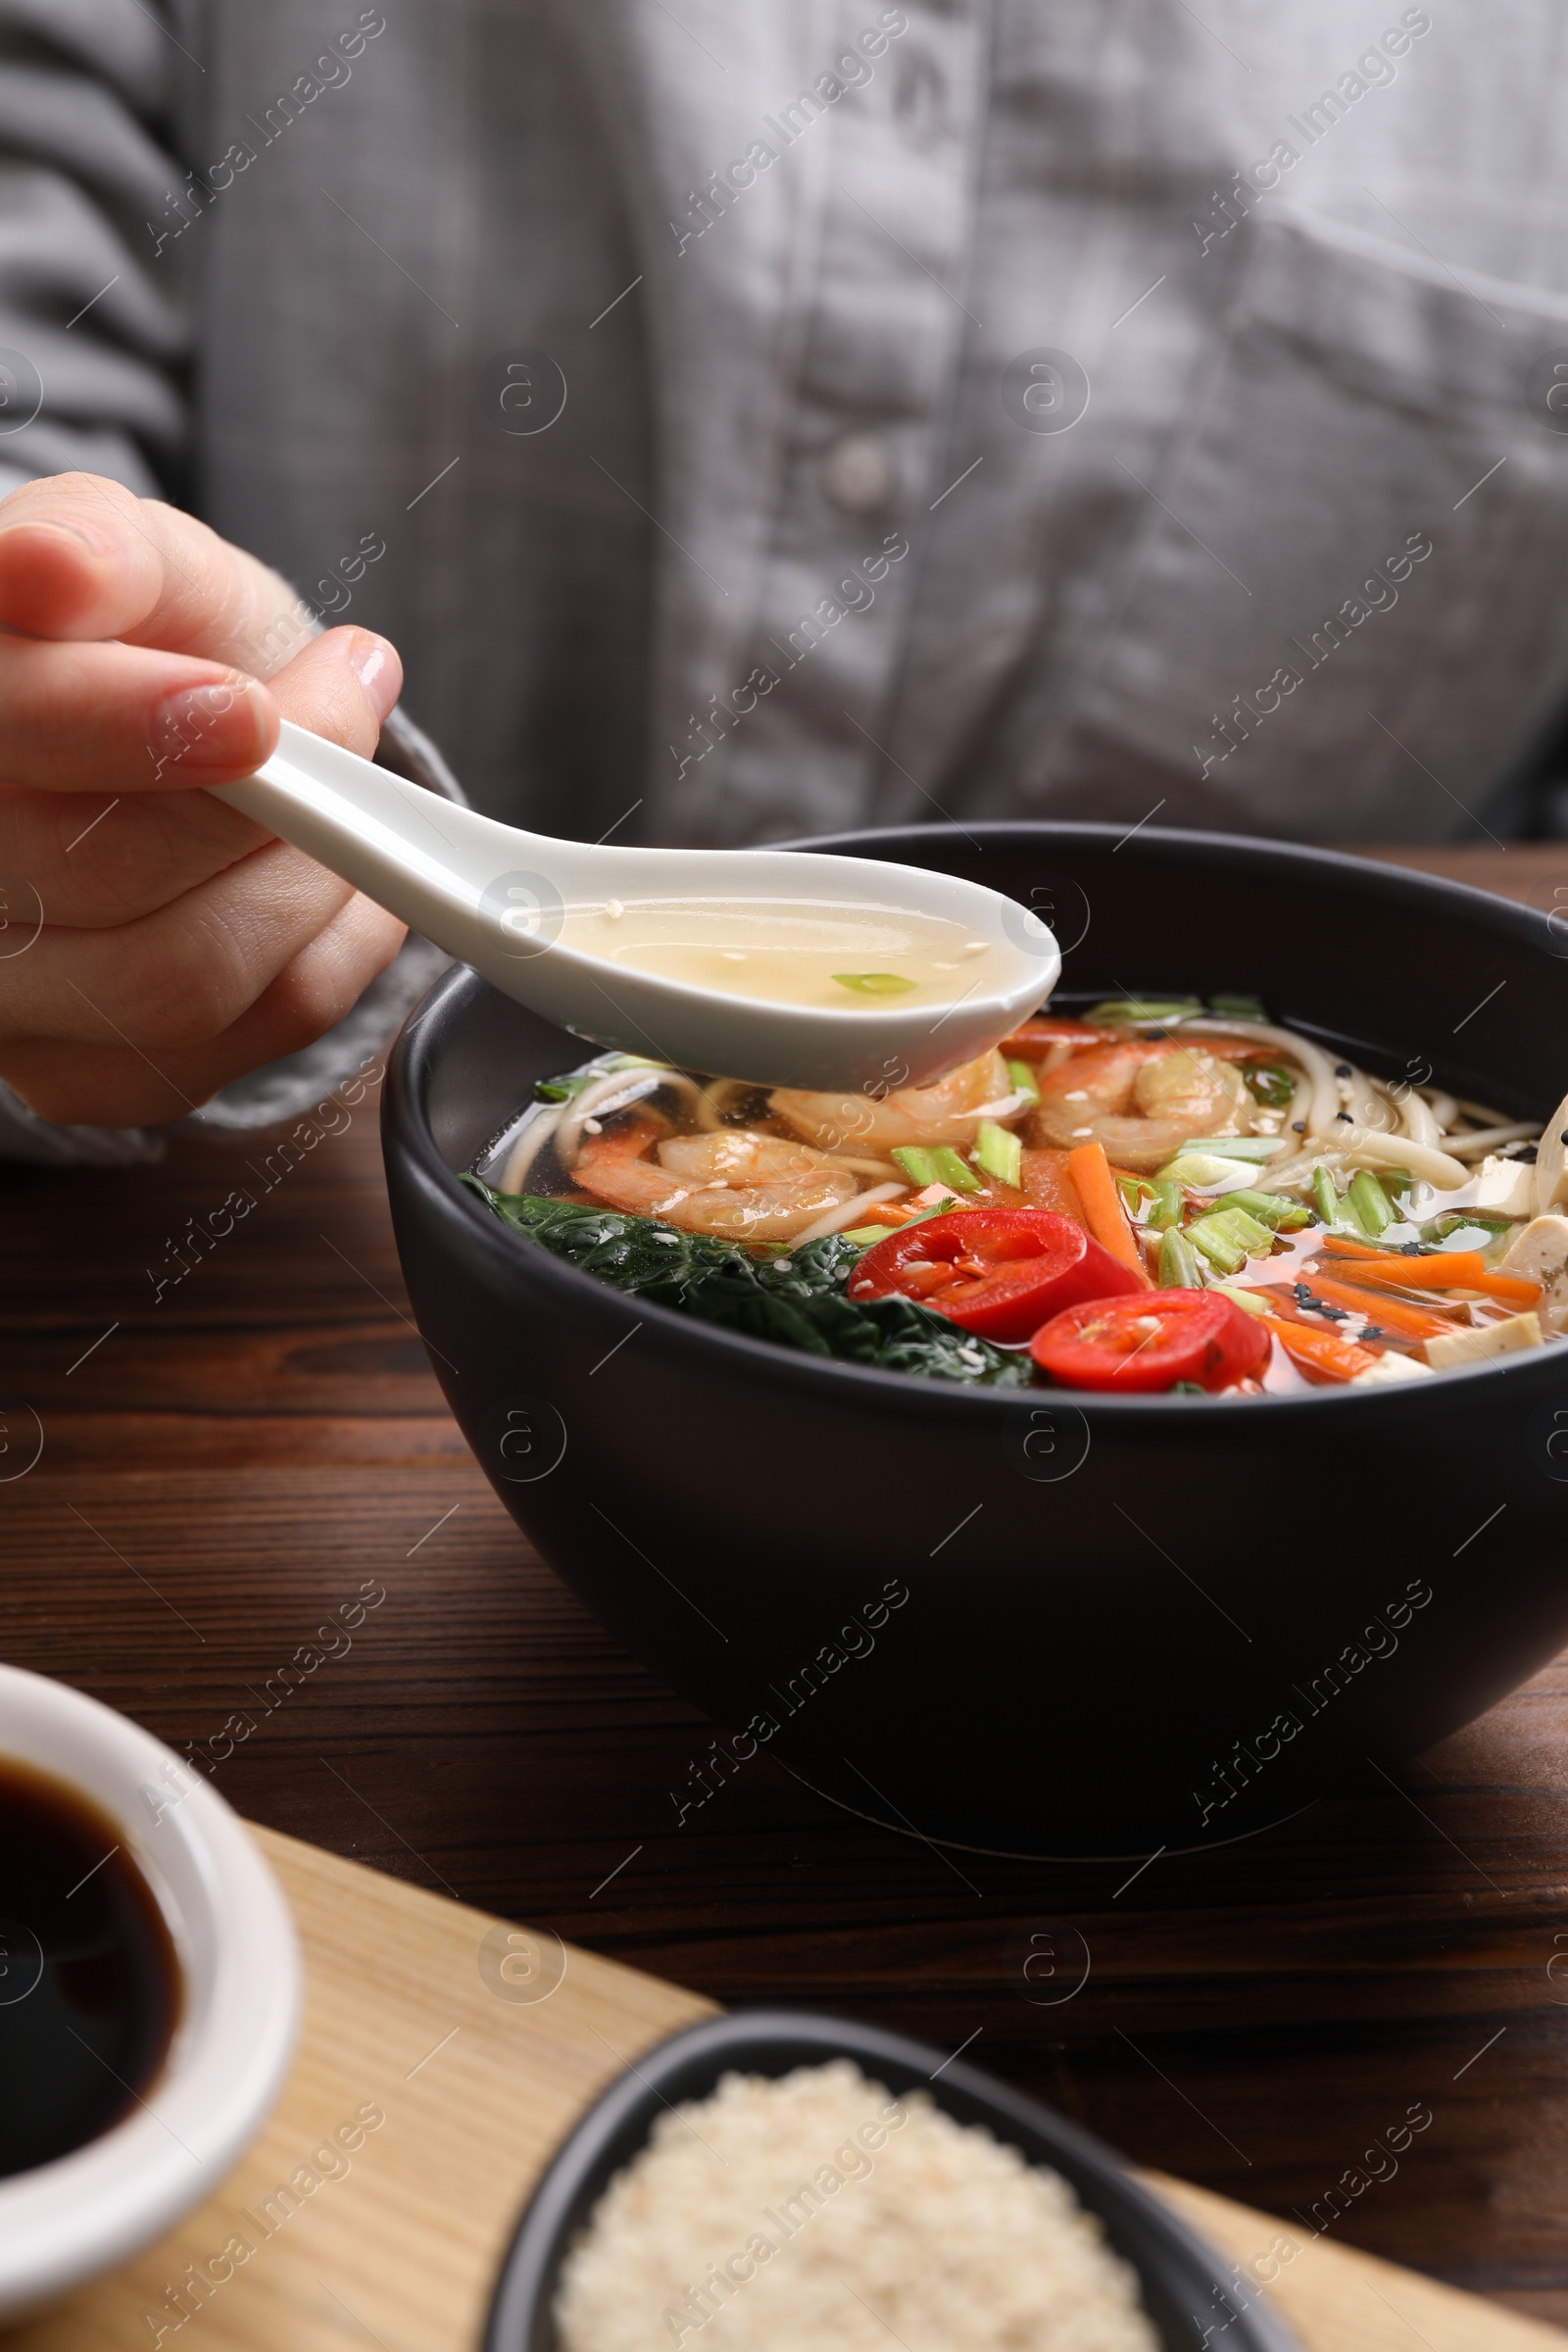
94 314
94 342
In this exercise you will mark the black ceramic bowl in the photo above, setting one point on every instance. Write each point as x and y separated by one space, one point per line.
1037 1623
1186 2291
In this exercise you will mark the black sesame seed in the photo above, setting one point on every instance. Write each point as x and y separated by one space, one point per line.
1563 1138
1342 1069
1297 1126
1301 1290
1345 1116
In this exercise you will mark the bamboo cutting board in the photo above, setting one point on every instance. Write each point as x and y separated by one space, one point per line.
427 2015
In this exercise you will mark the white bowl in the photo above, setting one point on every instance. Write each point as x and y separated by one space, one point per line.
65 2223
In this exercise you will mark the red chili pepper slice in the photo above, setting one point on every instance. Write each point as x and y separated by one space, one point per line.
997 1272
1152 1342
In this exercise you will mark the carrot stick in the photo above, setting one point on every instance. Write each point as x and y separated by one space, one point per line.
1439 1269
1320 1351
1443 1270
1416 1322
1512 1289
1103 1213
1437 1265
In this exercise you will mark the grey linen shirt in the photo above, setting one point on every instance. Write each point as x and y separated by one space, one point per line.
758 417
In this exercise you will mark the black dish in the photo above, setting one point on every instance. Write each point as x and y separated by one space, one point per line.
1117 1608
1186 2291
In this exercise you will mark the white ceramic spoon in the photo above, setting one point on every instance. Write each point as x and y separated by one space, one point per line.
496 897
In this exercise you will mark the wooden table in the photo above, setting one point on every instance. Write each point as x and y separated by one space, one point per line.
226 1469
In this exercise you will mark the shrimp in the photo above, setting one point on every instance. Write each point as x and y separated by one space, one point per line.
733 1184
1142 1099
948 1112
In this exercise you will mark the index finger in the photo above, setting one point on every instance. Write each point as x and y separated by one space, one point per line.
82 557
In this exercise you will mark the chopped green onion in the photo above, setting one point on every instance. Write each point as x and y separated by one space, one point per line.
1146 1008
875 984
1207 1169
572 1082
1229 1237
1235 1147
1325 1195
999 1153
924 1166
1024 1081
865 1235
1179 1269
1394 1181
917 1163
1277 1210
1187 1388
1271 1083
1254 1235
947 1169
1444 1229
1221 1248
1249 1300
1167 1207
1369 1204
1240 1008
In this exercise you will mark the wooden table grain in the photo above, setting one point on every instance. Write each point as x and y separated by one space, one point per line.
259 1450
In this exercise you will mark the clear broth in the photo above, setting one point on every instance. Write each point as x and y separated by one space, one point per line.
851 959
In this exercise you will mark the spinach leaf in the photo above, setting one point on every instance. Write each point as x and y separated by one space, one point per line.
796 1300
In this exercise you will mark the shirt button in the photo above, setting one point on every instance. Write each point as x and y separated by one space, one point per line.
919 98
860 473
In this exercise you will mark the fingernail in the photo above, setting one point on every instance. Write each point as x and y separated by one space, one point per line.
79 532
376 667
220 725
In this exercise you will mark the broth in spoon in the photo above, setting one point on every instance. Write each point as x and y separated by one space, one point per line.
837 957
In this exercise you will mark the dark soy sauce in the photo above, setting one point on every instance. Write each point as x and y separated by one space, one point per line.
90 1981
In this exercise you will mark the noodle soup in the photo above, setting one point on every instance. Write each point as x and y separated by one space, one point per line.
1156 1196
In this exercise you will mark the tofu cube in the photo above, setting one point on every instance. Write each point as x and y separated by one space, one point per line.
1505 1187
1540 1254
1552 1161
1389 1368
1473 1347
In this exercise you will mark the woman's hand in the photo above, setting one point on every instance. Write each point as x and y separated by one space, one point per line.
180 944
